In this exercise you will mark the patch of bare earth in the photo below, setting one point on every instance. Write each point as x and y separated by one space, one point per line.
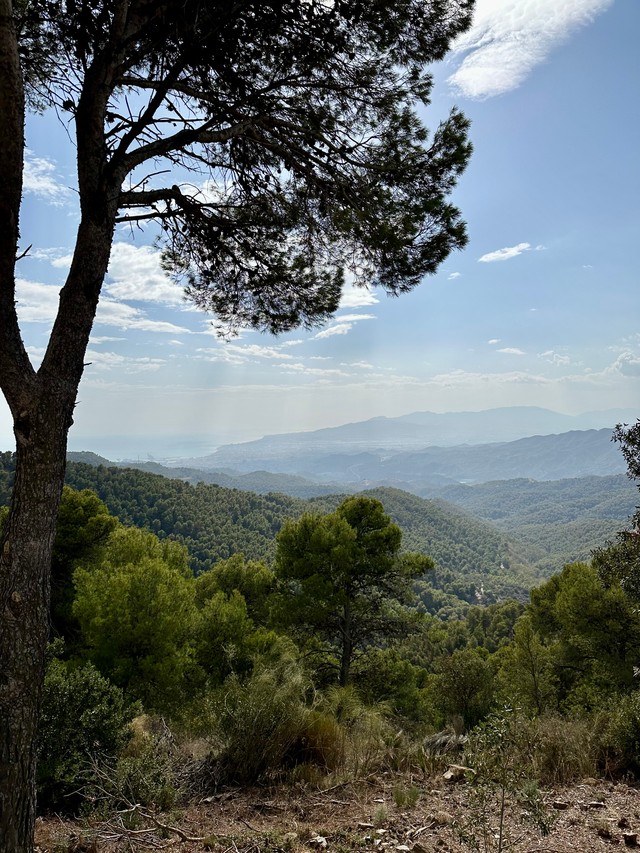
359 816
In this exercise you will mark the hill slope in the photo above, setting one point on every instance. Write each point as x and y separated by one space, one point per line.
215 522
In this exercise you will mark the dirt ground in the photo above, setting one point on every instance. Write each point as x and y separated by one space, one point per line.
368 815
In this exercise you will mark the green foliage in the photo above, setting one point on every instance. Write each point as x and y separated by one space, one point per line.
251 578
258 722
83 530
527 670
223 637
560 749
342 580
83 716
495 751
594 631
146 770
621 736
215 523
463 686
384 675
136 610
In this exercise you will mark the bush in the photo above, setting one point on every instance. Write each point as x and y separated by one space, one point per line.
562 750
146 771
258 722
83 715
620 747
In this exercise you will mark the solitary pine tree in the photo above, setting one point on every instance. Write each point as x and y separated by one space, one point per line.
302 116
343 582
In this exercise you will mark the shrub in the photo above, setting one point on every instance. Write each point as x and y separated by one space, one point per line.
258 722
562 750
620 746
83 715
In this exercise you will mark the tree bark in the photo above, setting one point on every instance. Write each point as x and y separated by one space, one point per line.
25 563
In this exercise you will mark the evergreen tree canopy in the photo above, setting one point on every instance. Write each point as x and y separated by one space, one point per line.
298 118
343 580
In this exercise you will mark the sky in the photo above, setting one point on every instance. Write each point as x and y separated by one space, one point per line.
541 308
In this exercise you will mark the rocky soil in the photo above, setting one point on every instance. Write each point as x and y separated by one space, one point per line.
376 814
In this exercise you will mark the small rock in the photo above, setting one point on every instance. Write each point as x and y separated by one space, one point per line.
595 804
560 805
456 773
403 848
630 839
318 841
363 825
443 818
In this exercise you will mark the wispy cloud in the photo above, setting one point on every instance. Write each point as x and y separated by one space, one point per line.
112 360
554 358
510 37
40 179
300 368
511 351
452 276
493 341
127 317
504 254
343 325
242 353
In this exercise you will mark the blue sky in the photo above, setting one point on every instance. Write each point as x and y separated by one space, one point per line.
541 308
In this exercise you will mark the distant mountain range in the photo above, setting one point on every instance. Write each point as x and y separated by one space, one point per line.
265 467
408 432
382 449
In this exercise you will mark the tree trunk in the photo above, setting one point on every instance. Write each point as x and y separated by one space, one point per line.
25 561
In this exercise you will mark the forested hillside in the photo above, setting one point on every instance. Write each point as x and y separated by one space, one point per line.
554 521
474 562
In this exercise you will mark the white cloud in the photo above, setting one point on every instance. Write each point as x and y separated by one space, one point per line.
511 351
240 354
494 341
510 37
127 317
255 351
103 339
554 358
61 262
342 325
110 360
361 365
357 297
36 302
627 364
311 371
452 276
504 254
135 273
40 179
340 329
